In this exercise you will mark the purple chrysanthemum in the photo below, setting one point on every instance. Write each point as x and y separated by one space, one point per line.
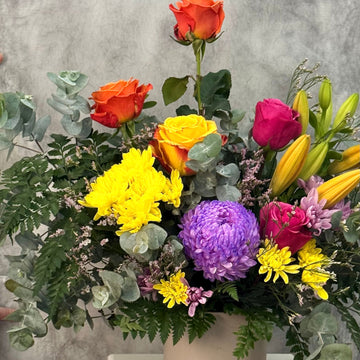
222 238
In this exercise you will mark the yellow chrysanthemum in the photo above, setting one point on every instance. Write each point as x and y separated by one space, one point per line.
313 263
274 260
131 191
173 290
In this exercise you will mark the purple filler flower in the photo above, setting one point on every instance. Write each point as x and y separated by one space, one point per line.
222 238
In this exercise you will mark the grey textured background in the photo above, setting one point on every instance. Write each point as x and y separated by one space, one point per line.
262 43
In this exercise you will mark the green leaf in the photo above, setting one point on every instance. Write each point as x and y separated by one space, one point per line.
227 193
336 352
229 174
130 291
40 127
210 147
323 323
215 90
149 104
185 110
79 129
21 338
173 88
34 321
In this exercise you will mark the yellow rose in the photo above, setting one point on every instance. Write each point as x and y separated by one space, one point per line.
176 136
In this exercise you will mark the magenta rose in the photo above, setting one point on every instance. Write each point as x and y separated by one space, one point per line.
285 224
275 124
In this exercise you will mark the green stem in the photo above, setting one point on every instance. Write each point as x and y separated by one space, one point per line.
198 82
27 148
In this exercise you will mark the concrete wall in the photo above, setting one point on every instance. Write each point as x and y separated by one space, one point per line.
263 41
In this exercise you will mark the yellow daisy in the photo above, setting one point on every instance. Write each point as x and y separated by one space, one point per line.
173 290
274 260
314 263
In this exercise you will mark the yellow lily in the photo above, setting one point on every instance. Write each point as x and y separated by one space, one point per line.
347 108
290 165
301 105
338 187
350 159
314 160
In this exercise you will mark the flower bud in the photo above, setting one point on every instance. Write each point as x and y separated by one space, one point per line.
335 189
325 94
290 165
314 160
301 105
350 159
347 108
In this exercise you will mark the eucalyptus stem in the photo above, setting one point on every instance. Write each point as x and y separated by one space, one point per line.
28 148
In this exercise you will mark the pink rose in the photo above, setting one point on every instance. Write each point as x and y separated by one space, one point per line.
275 124
285 224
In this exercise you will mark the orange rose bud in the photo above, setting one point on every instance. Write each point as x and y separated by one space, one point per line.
176 136
117 103
335 189
350 160
202 18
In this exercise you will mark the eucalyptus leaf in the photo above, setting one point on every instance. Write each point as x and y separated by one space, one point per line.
29 125
61 108
63 100
28 240
63 319
101 296
78 316
336 352
21 339
82 105
3 118
323 323
19 290
13 122
12 103
40 127
130 290
174 88
34 321
79 129
228 193
210 147
229 174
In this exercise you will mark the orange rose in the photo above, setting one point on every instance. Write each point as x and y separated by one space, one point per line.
116 103
173 140
203 18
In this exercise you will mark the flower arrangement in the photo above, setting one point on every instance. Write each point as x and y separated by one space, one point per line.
159 224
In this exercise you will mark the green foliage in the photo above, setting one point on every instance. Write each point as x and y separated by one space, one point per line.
259 327
215 90
69 103
152 318
298 345
26 197
174 88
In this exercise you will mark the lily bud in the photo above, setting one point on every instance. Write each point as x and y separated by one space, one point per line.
347 108
325 94
335 189
290 165
350 159
301 105
314 160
